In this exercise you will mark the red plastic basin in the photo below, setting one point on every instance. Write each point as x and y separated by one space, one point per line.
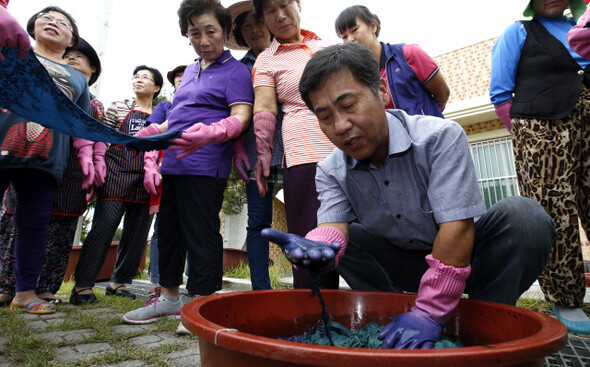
240 329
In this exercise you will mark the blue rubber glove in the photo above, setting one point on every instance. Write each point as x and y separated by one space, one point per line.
411 330
301 251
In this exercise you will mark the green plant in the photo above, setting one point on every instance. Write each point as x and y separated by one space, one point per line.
118 234
161 97
243 272
234 196
535 304
87 218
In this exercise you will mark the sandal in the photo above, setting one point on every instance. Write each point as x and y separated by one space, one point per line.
119 292
82 299
35 307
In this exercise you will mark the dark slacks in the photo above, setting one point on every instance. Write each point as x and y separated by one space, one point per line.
35 191
512 244
107 216
189 221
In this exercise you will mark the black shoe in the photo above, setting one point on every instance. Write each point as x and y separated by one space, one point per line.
118 292
5 303
82 299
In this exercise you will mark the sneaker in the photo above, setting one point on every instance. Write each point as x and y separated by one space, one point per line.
154 293
181 330
153 310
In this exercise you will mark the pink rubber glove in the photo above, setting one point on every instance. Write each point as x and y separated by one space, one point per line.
441 288
240 158
100 167
579 36
329 235
84 153
503 112
13 35
151 179
148 131
264 129
200 135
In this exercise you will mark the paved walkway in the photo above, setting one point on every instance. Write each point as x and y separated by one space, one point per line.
144 337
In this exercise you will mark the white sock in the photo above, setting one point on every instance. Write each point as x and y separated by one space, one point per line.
170 298
572 314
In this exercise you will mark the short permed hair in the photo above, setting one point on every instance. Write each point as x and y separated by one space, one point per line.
192 8
358 59
347 18
158 78
33 19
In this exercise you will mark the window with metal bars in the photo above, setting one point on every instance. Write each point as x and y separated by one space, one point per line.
494 167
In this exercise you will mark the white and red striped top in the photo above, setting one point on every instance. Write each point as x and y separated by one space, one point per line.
280 66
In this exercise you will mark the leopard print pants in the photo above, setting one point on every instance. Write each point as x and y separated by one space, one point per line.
553 167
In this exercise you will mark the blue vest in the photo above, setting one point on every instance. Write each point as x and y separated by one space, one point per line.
407 92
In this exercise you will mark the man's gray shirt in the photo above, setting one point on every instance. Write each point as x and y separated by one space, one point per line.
428 178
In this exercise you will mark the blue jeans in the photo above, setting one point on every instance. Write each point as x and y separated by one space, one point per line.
513 241
154 254
259 217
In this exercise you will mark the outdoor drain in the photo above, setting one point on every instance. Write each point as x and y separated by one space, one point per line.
575 354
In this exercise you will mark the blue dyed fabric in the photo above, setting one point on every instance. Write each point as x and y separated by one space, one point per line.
27 90
361 338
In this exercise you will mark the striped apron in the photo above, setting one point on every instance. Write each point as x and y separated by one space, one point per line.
124 179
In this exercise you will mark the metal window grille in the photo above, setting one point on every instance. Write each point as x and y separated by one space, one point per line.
494 167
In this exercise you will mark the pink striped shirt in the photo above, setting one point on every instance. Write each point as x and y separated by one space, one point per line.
280 67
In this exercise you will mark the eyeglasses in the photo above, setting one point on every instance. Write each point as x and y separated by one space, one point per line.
60 23
142 77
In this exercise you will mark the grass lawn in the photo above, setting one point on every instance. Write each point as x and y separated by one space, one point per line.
23 346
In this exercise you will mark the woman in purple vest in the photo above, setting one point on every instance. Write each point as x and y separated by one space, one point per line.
539 87
416 84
